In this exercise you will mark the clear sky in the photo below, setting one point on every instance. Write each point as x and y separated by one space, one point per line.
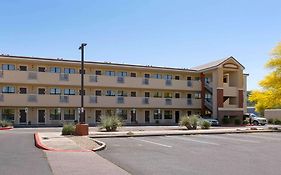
174 33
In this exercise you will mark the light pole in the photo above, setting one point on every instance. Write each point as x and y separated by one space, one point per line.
82 72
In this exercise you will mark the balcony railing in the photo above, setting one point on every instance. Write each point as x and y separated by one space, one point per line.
32 98
93 78
1 97
93 99
64 99
120 99
189 101
120 79
168 101
146 100
145 81
64 77
32 75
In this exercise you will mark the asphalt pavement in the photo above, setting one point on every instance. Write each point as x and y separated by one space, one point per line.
19 156
232 154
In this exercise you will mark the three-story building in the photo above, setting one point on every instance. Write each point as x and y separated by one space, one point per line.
43 91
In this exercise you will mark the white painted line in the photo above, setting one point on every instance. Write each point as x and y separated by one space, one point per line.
260 137
168 146
189 139
234 139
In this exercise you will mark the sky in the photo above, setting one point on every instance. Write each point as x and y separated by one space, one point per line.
172 33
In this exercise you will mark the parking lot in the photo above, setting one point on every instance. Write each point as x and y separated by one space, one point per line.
256 153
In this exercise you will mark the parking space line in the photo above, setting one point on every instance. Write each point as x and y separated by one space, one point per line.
189 139
260 137
147 141
234 139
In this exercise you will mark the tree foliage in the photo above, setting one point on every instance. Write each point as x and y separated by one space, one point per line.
270 95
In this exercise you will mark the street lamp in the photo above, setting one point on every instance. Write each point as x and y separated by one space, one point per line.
82 72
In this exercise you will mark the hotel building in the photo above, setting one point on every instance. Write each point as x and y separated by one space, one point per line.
44 91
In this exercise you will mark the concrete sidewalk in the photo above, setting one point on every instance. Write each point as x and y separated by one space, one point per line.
66 157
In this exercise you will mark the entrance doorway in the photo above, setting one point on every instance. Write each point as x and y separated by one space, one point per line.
23 116
147 116
133 116
177 116
41 116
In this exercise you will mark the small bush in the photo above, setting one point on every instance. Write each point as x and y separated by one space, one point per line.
237 121
205 125
245 122
110 123
189 122
225 120
5 123
68 129
270 121
277 122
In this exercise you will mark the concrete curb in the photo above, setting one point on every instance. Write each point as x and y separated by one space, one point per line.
183 133
101 147
40 145
6 128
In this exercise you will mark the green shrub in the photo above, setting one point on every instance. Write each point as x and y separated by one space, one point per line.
205 124
68 129
110 123
190 122
277 122
245 122
225 121
5 123
270 121
237 121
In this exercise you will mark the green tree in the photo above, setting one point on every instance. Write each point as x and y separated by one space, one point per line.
270 95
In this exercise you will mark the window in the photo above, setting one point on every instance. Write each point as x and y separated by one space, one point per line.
69 114
122 74
133 74
177 77
109 73
133 94
98 72
8 89
168 77
167 95
110 112
98 116
188 78
224 79
55 70
23 90
69 92
23 68
55 114
197 95
168 115
41 91
189 95
81 91
157 114
157 95
69 70
41 69
98 92
55 91
8 114
157 76
8 67
121 93
110 93
122 113
177 95
146 94
189 113
146 75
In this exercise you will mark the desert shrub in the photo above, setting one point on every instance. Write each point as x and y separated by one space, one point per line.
225 121
190 122
270 121
68 129
277 122
5 123
245 122
205 124
110 123
237 121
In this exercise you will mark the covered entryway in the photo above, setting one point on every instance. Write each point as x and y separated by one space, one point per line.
177 116
41 116
23 116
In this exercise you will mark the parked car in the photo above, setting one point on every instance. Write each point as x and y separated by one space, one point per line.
256 120
213 122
